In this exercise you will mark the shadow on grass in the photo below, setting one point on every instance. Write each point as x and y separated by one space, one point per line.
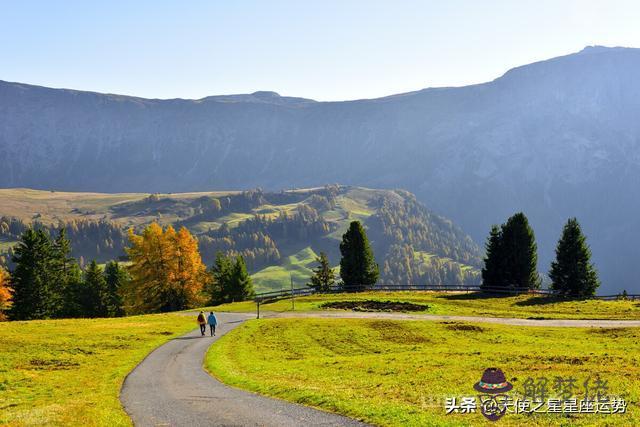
474 296
543 300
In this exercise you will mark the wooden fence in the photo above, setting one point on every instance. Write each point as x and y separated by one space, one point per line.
266 297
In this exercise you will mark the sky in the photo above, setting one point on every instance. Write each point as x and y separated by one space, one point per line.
326 50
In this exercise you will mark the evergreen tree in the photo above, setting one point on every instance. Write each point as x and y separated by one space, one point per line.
65 278
94 290
219 286
358 268
493 270
519 250
572 273
30 280
323 276
116 278
241 286
73 294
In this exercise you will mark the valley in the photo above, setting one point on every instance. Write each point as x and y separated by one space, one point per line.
279 234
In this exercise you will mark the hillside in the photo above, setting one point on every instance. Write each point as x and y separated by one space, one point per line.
278 233
556 139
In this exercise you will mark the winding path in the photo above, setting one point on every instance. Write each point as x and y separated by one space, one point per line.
170 387
561 323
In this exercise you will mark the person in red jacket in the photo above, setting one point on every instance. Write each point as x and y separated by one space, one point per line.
202 322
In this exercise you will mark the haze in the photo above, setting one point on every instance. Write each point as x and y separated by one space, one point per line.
329 50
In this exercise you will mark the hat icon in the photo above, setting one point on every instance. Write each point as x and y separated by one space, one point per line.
493 381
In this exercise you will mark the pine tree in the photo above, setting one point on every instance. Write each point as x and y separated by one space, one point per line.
218 289
30 280
520 253
5 293
493 270
94 289
241 286
358 268
116 278
323 276
65 278
572 273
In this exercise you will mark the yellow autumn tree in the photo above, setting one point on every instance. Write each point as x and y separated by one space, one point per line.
167 272
5 293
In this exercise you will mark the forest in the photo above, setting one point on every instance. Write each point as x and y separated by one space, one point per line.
412 245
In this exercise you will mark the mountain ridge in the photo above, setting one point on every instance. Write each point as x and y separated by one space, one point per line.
557 138
279 234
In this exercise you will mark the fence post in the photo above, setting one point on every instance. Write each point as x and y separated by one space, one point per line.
258 307
293 298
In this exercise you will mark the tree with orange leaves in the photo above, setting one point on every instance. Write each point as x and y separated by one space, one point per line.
5 293
167 272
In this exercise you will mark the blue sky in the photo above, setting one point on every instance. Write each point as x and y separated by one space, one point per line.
326 50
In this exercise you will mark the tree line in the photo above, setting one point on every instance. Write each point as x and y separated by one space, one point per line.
164 273
48 283
511 259
101 240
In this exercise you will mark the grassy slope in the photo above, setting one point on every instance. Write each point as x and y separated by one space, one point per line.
398 373
471 304
69 372
296 267
51 207
54 206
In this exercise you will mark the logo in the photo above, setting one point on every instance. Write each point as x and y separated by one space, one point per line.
493 401
556 396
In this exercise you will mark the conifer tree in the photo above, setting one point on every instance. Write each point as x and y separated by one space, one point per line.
493 270
241 286
323 276
520 253
94 290
65 278
572 273
31 278
116 278
511 256
358 268
218 287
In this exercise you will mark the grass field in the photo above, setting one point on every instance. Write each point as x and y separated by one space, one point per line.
297 267
467 304
69 372
53 206
398 373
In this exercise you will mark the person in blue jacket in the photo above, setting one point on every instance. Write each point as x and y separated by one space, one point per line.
212 321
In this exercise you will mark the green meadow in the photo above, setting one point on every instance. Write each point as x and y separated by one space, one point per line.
465 304
69 372
398 373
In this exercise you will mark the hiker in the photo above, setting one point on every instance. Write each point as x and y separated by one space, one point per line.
212 321
202 322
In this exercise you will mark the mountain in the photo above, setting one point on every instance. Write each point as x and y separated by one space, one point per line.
555 139
278 233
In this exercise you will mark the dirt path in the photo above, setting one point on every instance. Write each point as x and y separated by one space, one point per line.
564 323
